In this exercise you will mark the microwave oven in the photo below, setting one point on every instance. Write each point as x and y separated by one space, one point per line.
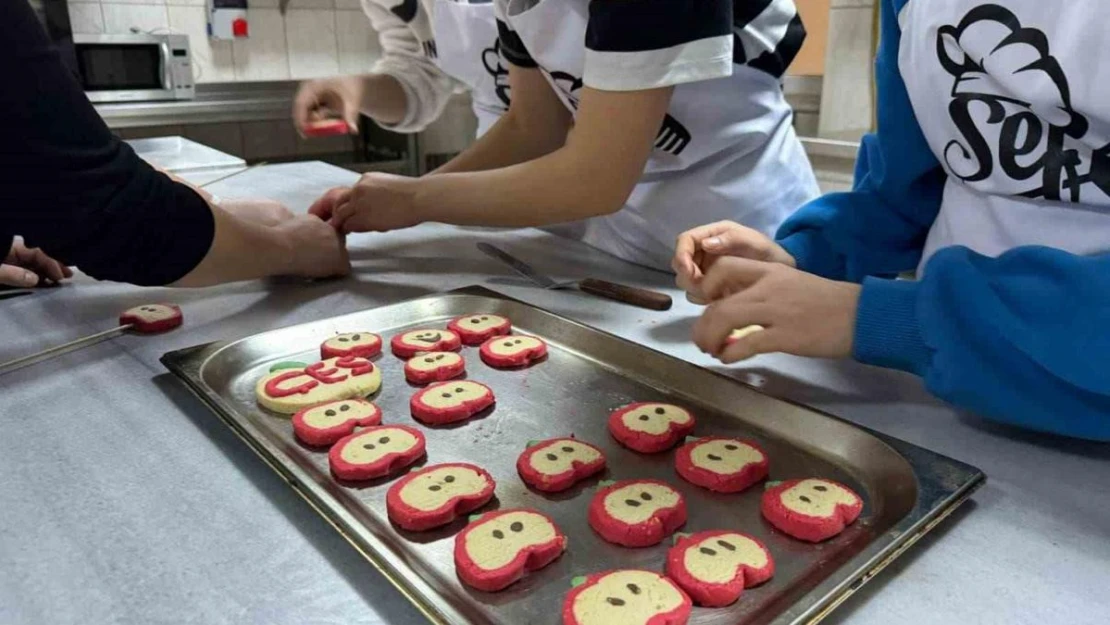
134 67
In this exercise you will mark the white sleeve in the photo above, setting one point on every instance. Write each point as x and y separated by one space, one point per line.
427 89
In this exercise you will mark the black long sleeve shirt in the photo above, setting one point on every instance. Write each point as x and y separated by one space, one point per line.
69 186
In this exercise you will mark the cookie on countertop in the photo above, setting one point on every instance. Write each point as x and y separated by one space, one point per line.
434 367
449 402
288 391
326 423
626 597
478 328
513 350
650 427
498 548
413 342
437 495
637 513
557 464
811 509
721 464
364 344
715 567
376 452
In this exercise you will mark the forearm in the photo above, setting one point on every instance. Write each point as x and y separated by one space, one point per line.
508 142
383 99
241 250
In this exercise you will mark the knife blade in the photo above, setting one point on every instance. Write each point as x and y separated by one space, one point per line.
519 266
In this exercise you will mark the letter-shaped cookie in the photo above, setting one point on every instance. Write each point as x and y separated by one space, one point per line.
637 513
626 597
514 350
288 391
650 427
152 318
364 344
448 402
436 495
812 509
326 423
715 567
477 329
557 464
500 547
434 367
414 342
724 465
376 452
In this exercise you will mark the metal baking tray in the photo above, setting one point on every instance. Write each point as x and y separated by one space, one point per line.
907 490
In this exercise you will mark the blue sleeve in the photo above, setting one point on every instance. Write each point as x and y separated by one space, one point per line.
879 227
1020 339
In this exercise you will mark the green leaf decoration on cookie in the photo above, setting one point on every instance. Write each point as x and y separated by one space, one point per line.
690 439
679 536
771 484
288 364
474 517
604 483
577 581
532 443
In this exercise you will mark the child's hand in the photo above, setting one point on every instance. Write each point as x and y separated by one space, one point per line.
377 203
697 250
801 313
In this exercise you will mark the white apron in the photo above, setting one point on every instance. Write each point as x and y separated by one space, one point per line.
468 51
1012 98
727 148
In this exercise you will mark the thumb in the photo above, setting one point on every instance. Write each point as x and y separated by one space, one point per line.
739 242
350 115
11 275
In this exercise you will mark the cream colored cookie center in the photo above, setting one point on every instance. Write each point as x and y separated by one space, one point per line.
495 544
372 446
433 489
626 598
353 339
481 323
560 456
452 394
434 360
724 456
636 503
716 560
654 419
513 344
426 337
330 415
746 331
152 312
816 498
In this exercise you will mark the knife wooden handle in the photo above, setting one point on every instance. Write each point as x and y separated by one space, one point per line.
652 300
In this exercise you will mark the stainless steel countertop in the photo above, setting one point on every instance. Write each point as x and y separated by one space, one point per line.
125 501
180 156
214 103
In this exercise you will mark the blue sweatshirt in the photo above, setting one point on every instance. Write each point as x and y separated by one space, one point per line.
1023 338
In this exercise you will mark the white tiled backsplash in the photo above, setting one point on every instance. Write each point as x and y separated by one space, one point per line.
315 38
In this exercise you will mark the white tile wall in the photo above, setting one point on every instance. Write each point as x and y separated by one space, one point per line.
355 5
358 43
122 18
846 95
264 55
86 19
313 48
212 59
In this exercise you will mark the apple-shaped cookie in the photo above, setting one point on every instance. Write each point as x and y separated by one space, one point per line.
637 513
436 495
288 391
626 597
326 423
477 329
376 452
498 548
152 318
715 567
650 427
415 342
434 367
724 465
448 402
812 509
557 464
513 350
364 344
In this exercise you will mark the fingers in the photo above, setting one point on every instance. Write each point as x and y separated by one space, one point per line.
713 328
11 275
688 245
324 207
304 105
731 275
739 241
760 342
350 115
36 261
342 215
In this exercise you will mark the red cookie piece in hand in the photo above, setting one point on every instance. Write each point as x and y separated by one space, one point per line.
436 495
499 548
434 367
376 452
626 597
637 513
812 509
477 329
449 402
724 465
326 423
715 567
325 128
414 342
514 350
362 344
557 464
650 427
152 318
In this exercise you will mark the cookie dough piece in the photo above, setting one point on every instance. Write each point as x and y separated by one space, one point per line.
477 329
416 342
364 344
715 567
637 513
724 465
434 367
740 333
557 464
376 452
626 597
514 350
650 427
436 495
499 548
448 402
812 509
152 318
326 423
288 391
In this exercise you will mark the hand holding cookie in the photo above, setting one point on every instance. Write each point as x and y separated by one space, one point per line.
378 203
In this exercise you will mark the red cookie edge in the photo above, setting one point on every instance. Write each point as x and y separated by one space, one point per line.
555 483
411 519
362 351
470 337
439 374
803 526
401 349
530 559
319 437
441 416
678 616
718 482
387 465
660 525
152 327
521 359
708 594
648 443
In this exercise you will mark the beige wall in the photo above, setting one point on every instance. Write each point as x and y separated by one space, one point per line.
811 60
